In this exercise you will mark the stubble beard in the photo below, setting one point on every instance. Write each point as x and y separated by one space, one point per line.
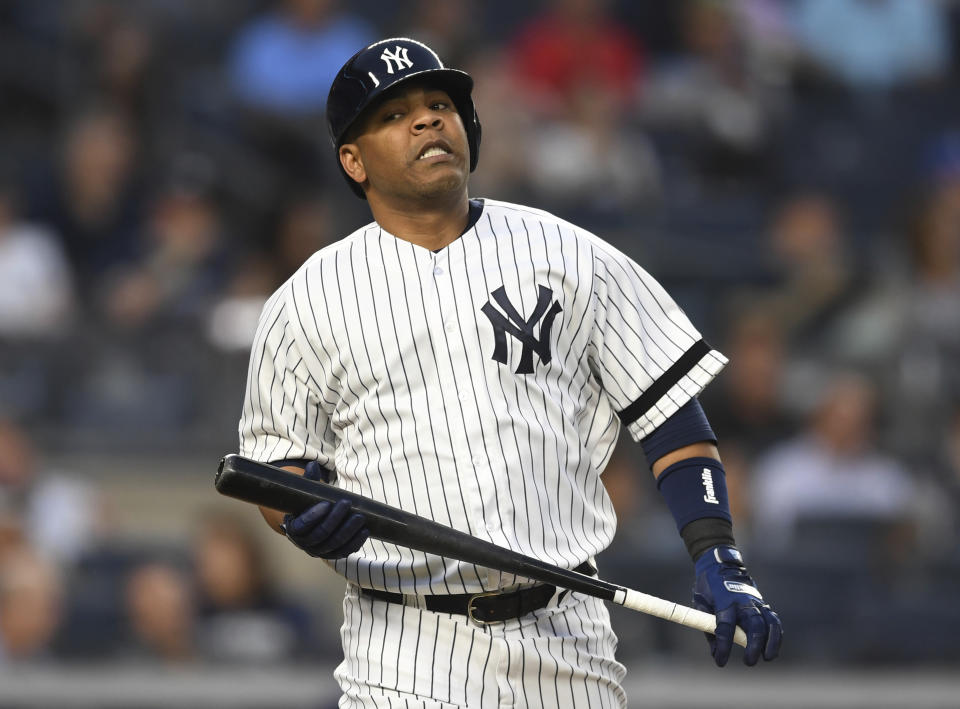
439 188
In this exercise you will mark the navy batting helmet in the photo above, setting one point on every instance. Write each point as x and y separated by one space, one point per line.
373 70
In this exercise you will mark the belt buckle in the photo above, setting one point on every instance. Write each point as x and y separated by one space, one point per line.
470 608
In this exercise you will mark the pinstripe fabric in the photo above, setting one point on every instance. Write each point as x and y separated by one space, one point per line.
385 361
398 656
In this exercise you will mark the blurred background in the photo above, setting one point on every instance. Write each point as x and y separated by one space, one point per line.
788 169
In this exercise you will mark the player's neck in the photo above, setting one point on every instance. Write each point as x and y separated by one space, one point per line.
431 226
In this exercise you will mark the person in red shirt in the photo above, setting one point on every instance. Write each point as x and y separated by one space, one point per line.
576 42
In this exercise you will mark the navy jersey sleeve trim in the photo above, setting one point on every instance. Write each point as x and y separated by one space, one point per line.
656 391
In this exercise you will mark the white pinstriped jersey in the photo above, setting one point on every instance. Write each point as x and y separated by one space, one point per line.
482 385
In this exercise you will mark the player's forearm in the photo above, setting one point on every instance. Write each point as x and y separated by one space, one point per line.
703 449
274 518
684 458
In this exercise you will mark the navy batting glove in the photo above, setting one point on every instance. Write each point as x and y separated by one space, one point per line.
724 588
325 530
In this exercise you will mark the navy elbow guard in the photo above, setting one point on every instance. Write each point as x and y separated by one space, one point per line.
695 488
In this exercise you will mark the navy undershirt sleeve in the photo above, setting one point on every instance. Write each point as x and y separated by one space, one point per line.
688 425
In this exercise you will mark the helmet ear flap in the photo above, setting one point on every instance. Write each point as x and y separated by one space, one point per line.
474 133
381 66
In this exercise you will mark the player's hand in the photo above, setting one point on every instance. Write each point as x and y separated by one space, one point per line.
723 587
326 530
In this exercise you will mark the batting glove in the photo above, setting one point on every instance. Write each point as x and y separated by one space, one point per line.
724 588
326 530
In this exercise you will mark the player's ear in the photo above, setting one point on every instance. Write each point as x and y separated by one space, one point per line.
352 162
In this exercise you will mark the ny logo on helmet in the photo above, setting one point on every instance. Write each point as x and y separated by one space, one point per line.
398 55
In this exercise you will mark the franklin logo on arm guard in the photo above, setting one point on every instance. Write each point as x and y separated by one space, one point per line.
711 495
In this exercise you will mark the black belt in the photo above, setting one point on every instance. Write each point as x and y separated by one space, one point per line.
488 606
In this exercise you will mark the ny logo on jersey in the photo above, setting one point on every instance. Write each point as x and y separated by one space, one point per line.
522 328
398 55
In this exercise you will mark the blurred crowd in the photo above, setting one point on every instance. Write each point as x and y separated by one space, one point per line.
70 593
789 169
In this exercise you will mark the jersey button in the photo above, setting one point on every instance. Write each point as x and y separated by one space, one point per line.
478 460
462 396
450 327
437 271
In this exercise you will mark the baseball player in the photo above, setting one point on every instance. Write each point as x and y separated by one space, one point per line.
473 361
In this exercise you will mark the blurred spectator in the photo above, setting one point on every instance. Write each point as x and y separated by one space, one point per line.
952 10
31 600
941 163
12 535
769 36
750 407
572 45
281 67
232 322
116 55
184 261
937 475
579 71
657 24
746 406
951 459
92 200
449 28
907 329
36 284
161 614
242 617
305 226
804 280
714 94
585 159
58 511
507 122
875 44
284 61
812 277
927 347
830 470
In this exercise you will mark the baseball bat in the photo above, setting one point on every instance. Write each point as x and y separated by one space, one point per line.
270 486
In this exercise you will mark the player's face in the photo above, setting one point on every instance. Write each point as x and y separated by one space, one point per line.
411 145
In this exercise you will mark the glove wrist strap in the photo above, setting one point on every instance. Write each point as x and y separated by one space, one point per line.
703 534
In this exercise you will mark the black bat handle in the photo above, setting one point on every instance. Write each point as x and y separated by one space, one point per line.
279 489
267 485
